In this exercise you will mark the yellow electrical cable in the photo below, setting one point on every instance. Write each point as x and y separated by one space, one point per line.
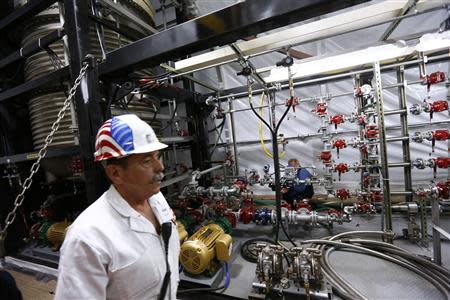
261 102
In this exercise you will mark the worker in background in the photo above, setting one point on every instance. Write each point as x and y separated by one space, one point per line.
299 191
125 245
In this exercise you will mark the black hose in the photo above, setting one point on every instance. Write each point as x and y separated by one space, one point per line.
287 235
218 126
259 117
245 251
110 101
218 137
171 118
282 117
155 112
276 162
157 76
131 98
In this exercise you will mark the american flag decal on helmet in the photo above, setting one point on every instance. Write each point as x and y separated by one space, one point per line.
114 139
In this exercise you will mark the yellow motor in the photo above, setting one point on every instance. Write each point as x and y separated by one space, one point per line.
56 234
182 233
198 252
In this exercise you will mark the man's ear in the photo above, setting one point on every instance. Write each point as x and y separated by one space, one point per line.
114 173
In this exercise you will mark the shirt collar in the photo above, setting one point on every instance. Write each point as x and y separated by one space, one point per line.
136 221
120 204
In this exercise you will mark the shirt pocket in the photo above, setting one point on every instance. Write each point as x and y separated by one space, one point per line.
139 280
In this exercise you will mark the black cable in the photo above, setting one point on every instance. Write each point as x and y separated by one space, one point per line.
277 229
274 133
287 259
124 105
277 179
259 117
155 112
134 76
217 127
171 118
218 137
131 98
287 235
110 101
149 102
250 255
145 88
282 117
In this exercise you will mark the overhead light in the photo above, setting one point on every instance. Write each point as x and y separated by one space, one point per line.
382 54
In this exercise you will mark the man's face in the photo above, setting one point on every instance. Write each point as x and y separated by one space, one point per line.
141 176
294 163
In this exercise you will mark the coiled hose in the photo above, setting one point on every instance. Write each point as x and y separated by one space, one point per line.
436 275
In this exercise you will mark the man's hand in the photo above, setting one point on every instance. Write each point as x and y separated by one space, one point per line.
284 190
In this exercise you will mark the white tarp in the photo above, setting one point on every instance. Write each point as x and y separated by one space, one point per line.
304 122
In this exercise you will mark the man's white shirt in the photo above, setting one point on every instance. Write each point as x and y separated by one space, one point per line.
111 251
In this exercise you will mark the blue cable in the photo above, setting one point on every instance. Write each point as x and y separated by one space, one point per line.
227 280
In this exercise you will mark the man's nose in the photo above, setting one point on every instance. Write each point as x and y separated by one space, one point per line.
159 166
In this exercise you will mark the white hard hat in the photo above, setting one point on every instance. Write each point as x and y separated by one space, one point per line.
125 135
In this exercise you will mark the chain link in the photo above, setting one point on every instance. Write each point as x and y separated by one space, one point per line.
41 154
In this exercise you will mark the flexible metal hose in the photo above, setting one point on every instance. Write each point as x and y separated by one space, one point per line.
435 275
399 251
349 233
331 274
442 277
343 284
413 268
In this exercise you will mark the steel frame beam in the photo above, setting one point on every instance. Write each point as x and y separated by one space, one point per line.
51 152
24 13
405 132
32 48
35 84
89 115
218 28
383 151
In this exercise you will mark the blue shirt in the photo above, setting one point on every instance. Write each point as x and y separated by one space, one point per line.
302 174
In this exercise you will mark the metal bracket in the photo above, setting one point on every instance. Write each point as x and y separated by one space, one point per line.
442 231
246 63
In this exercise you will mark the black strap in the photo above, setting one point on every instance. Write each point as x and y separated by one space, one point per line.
166 232
165 285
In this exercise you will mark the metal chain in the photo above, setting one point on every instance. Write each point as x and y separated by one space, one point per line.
41 154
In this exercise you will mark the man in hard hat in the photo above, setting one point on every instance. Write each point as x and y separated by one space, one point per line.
125 245
298 191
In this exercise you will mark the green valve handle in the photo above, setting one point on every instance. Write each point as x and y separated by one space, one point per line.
224 223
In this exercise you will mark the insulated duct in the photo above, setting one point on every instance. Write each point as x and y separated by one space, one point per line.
45 104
